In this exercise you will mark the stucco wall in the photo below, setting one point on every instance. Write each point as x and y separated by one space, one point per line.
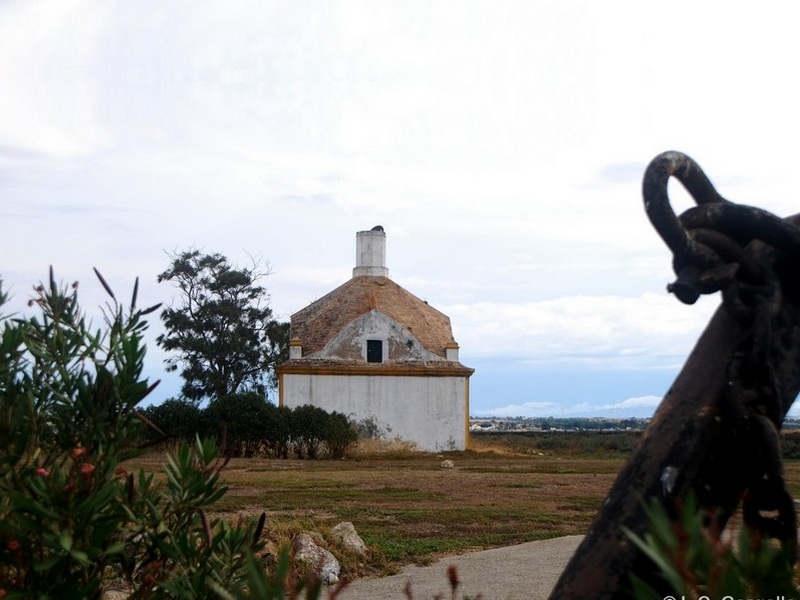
351 342
431 412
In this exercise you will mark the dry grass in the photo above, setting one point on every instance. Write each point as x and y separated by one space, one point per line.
410 510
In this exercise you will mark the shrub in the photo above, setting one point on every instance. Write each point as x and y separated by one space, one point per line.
248 425
307 429
277 433
72 519
242 420
695 561
177 420
340 435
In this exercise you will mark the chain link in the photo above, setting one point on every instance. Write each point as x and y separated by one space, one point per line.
712 246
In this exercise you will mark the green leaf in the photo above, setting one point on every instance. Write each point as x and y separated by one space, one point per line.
80 556
115 548
651 549
65 538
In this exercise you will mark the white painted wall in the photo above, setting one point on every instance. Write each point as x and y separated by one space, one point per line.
398 342
430 412
371 253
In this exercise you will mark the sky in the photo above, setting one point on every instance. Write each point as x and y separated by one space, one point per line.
501 145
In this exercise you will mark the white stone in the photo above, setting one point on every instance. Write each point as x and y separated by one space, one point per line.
448 464
346 533
325 566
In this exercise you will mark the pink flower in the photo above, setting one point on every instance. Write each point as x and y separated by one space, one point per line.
87 469
42 472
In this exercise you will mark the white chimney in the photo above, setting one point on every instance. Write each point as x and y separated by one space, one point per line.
371 253
451 351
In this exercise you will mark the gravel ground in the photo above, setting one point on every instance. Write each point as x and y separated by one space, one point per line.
524 572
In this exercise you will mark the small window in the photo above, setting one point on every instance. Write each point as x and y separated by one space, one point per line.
374 351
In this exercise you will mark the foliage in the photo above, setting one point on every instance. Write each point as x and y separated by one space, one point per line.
247 425
66 399
308 429
171 546
223 332
312 427
178 420
339 435
241 417
790 443
72 519
695 561
277 431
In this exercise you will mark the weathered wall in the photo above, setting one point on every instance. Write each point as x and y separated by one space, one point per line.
431 412
398 342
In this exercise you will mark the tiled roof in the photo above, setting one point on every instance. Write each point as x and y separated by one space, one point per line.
317 323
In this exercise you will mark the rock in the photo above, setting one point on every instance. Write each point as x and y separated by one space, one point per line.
324 564
346 533
448 464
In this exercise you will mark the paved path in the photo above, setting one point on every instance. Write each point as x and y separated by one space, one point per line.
524 572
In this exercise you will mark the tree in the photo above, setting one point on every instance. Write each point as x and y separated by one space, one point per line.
223 332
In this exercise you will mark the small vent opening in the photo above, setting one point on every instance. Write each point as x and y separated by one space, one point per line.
374 351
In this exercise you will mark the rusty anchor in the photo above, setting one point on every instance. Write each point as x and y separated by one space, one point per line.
715 433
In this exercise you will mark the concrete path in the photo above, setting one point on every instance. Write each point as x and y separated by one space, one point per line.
524 572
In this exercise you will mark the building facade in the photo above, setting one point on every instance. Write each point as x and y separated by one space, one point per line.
375 352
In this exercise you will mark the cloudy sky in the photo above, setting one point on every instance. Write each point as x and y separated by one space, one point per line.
501 145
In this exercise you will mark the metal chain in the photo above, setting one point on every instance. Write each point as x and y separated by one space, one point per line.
712 251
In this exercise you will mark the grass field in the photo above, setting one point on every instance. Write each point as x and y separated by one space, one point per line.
505 490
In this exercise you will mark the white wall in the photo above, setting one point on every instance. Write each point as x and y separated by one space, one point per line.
398 342
431 412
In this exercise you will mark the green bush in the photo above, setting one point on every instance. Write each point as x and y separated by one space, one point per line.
240 420
790 444
307 430
695 561
177 420
247 425
277 431
73 521
339 434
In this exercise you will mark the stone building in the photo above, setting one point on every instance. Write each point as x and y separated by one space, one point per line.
374 351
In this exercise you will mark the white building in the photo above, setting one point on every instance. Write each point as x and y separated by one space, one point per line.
372 350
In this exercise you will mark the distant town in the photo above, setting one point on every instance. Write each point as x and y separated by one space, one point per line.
517 424
522 424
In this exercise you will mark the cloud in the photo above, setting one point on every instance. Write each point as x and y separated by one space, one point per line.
640 402
49 94
502 147
634 332
642 406
622 173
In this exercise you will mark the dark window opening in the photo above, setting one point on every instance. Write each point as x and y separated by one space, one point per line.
374 351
